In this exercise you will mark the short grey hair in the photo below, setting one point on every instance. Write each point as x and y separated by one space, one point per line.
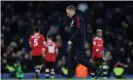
71 7
99 30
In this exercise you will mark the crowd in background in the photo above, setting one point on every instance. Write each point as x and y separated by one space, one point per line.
19 18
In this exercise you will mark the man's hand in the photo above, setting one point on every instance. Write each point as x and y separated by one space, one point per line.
69 43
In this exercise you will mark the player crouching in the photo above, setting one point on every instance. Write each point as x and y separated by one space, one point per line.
51 51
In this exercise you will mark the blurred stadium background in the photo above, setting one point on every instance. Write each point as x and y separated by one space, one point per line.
19 18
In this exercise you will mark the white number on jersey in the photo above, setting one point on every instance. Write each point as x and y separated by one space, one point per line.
35 42
51 49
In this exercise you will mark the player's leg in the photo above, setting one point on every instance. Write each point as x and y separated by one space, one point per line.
70 61
47 70
37 65
34 58
105 68
95 62
52 70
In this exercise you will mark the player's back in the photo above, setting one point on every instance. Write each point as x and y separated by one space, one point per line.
50 51
36 41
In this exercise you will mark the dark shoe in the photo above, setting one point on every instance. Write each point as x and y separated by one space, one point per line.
69 78
35 76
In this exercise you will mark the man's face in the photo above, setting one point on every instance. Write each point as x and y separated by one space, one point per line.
70 13
99 34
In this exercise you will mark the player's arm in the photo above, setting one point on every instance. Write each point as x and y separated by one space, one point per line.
120 64
94 47
44 48
43 52
57 51
43 40
102 51
30 42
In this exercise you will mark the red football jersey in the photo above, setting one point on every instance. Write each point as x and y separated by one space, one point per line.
50 53
36 42
97 47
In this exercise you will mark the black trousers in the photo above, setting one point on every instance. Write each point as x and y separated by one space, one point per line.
77 50
37 60
50 65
